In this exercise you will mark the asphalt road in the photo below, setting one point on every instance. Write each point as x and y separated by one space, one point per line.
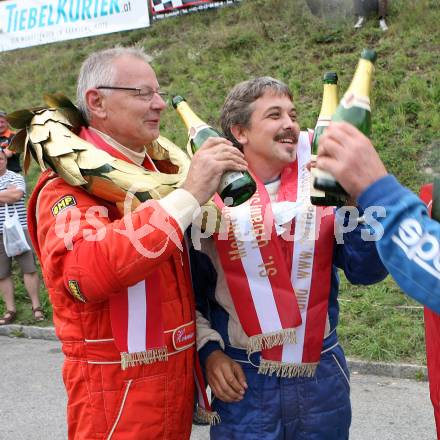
32 399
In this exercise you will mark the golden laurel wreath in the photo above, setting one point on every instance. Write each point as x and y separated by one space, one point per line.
49 135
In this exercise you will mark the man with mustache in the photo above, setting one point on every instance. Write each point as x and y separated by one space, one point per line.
267 285
125 317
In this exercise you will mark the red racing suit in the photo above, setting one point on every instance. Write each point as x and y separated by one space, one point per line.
152 401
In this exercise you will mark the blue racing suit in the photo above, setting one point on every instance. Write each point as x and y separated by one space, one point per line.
410 246
410 249
276 408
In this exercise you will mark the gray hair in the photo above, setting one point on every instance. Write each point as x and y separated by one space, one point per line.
98 69
238 106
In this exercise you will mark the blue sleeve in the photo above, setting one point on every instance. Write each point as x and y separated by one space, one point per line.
207 349
355 251
204 280
410 245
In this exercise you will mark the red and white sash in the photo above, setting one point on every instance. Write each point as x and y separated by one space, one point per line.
136 319
281 302
261 290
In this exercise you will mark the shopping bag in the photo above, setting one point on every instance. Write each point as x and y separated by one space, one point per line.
14 239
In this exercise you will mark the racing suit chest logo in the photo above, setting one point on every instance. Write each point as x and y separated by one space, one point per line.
75 290
421 247
184 336
62 204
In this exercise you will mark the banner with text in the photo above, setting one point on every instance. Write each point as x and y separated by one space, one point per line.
169 8
25 23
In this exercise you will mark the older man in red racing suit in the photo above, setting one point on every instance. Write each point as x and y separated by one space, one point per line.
115 292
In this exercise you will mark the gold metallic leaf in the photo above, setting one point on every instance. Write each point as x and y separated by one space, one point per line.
38 133
146 176
159 150
93 158
73 116
38 149
62 140
20 118
57 99
45 116
180 158
67 168
129 168
108 190
65 106
26 160
18 141
50 137
127 182
164 149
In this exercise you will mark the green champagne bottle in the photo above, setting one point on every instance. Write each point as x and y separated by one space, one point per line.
235 187
355 109
329 103
435 212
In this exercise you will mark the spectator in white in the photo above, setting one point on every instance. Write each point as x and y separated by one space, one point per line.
12 191
363 7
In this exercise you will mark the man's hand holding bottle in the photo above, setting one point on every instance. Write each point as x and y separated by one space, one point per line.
350 157
209 163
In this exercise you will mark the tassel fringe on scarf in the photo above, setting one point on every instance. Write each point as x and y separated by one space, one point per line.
284 369
269 340
206 416
143 357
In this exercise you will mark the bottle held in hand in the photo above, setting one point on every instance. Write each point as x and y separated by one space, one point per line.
329 103
354 108
235 187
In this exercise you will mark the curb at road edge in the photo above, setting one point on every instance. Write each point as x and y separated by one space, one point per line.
356 366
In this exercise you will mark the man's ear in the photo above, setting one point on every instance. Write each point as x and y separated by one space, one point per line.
239 133
96 104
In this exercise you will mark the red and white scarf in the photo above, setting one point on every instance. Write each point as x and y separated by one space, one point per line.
282 308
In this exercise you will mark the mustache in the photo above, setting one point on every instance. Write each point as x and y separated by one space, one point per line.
287 134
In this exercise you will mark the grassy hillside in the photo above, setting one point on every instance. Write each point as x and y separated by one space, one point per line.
202 55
